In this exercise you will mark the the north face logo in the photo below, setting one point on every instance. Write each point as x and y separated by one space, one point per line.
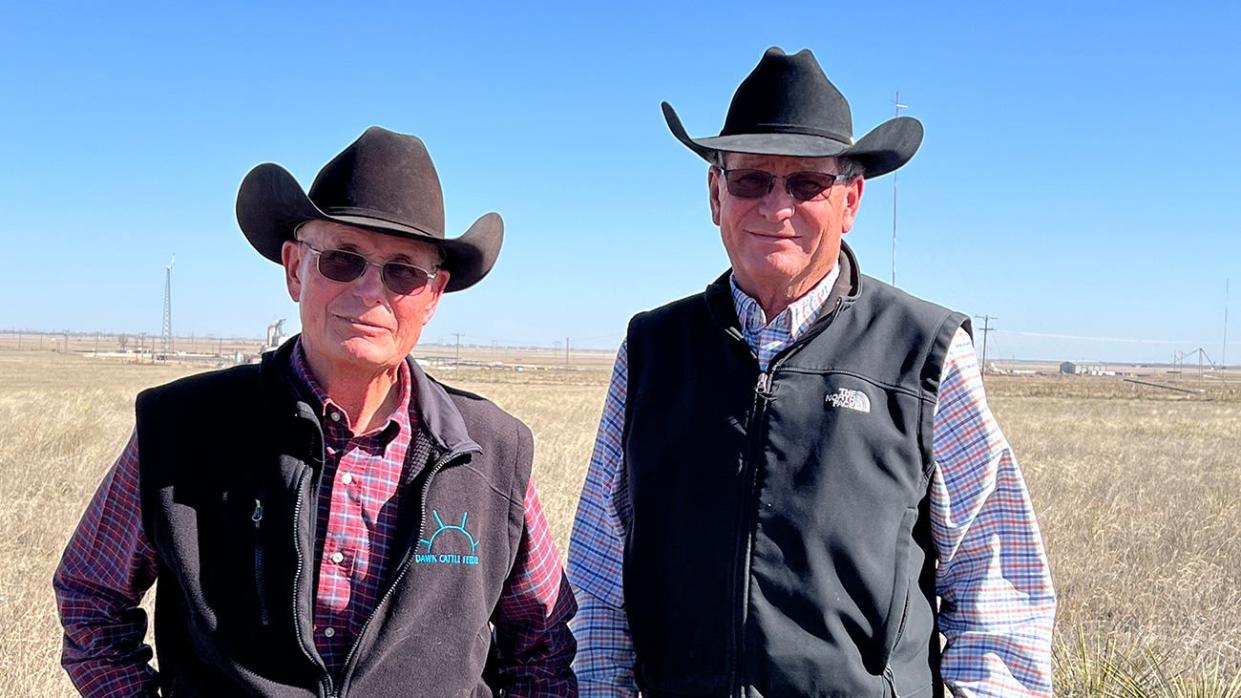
849 399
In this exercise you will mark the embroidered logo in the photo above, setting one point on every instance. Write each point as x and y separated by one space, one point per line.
456 545
849 400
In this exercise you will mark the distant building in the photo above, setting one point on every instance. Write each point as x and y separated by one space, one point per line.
1073 369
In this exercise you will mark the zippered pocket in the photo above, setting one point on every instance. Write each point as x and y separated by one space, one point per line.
902 586
260 580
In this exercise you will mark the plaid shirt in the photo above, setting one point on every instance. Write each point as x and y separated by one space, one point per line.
109 562
997 600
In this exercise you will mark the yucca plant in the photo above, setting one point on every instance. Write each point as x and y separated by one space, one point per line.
1104 669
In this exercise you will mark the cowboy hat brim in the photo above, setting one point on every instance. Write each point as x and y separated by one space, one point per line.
887 147
271 204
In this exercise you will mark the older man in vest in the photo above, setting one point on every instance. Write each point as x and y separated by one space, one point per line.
797 483
332 522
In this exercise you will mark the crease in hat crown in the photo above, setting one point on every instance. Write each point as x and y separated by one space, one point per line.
787 106
363 174
383 182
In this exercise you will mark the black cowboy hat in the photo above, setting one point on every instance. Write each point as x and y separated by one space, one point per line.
787 106
384 182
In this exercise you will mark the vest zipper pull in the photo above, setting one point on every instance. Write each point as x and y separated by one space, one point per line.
260 584
764 384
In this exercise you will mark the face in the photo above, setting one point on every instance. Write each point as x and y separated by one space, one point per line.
359 327
777 242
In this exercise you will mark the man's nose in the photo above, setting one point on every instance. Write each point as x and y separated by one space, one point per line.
777 204
370 285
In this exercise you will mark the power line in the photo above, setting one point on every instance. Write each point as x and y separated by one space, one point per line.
1120 340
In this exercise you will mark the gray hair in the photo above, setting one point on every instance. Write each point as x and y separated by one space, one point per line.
849 169
441 254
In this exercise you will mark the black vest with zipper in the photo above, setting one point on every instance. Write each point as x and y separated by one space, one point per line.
780 541
230 463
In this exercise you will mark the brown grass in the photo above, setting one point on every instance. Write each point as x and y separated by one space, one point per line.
1138 495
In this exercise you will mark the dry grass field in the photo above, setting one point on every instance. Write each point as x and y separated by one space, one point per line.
1138 493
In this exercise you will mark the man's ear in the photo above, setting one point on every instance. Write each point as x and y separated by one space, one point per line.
853 199
291 257
713 191
438 284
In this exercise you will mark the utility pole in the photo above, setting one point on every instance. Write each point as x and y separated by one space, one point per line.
896 111
458 335
1223 353
986 329
566 352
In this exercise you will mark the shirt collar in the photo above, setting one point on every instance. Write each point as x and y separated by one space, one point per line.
398 421
794 319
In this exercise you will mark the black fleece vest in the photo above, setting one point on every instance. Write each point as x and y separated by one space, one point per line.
229 472
780 543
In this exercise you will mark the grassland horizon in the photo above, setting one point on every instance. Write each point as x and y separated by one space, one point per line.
1137 490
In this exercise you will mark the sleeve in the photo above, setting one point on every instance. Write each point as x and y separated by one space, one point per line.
997 602
605 658
535 647
106 568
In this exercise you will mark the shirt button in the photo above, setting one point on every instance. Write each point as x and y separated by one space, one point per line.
329 632
346 478
335 418
337 556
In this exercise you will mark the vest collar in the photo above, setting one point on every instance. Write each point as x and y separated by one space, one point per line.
438 415
845 291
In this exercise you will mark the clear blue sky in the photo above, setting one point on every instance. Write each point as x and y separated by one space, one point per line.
1079 175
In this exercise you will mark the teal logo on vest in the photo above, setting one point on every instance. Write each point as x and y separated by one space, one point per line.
449 544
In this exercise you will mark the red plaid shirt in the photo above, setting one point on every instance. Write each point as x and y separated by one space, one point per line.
109 562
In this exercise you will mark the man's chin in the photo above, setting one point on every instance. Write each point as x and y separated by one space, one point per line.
772 270
366 352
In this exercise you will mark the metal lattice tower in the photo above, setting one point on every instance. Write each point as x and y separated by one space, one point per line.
167 331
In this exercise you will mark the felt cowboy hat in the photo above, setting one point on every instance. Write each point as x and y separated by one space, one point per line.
383 182
787 106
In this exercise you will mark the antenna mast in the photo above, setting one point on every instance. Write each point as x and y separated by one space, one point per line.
897 107
167 329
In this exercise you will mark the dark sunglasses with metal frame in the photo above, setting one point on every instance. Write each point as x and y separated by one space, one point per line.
755 184
344 266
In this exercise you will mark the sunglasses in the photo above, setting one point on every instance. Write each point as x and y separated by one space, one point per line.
342 266
755 184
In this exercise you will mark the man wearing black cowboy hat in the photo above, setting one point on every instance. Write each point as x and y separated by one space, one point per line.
797 483
332 522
